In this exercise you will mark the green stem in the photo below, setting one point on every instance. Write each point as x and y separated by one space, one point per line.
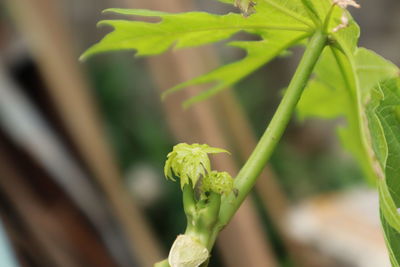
328 19
189 202
249 173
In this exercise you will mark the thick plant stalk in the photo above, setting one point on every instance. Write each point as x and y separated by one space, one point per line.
248 175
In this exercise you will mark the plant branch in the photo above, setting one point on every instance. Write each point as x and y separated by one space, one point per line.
249 173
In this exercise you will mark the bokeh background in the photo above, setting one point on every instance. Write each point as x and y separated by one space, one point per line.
82 148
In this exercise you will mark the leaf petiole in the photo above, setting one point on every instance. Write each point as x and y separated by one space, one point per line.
249 173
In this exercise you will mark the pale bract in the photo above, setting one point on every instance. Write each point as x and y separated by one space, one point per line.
187 252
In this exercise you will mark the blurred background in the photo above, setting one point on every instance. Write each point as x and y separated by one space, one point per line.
82 148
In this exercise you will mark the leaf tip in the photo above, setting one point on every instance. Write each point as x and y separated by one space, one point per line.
114 10
85 55
107 10
82 58
102 23
165 94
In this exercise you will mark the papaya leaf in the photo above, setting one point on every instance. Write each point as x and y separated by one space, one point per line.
273 44
279 24
364 88
331 95
383 107
345 39
184 30
391 238
371 69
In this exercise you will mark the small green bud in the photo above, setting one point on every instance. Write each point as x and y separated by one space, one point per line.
189 162
217 182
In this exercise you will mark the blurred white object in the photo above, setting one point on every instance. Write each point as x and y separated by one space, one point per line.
344 226
7 255
27 127
144 183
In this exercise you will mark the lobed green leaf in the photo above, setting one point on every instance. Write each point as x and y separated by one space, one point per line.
364 88
258 54
332 94
182 30
280 25
384 125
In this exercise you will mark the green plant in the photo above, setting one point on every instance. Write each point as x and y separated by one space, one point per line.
348 81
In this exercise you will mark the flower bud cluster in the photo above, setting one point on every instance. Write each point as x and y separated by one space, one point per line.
191 164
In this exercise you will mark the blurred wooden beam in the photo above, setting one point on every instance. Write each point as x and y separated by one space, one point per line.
40 21
47 222
27 128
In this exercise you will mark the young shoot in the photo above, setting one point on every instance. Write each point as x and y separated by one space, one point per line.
202 190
